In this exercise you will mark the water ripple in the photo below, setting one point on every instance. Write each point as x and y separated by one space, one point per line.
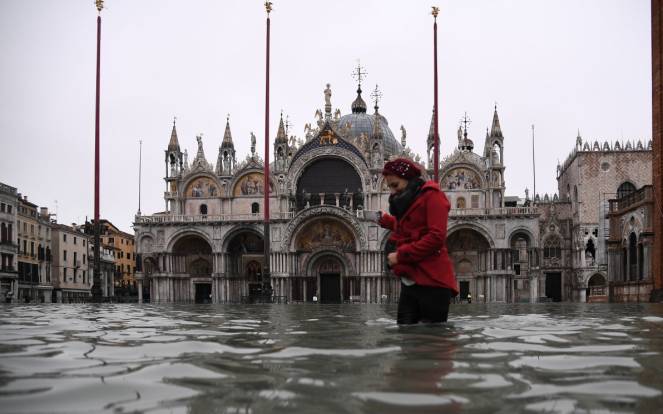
546 358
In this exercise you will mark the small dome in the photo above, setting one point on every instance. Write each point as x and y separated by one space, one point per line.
359 106
363 123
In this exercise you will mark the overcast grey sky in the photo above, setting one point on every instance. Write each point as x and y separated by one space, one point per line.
562 65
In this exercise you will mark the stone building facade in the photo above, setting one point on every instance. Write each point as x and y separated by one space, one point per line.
70 275
592 175
34 260
208 246
123 250
8 246
630 246
208 243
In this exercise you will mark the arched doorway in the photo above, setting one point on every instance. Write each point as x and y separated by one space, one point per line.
244 263
597 289
520 244
192 263
324 245
150 267
468 250
329 270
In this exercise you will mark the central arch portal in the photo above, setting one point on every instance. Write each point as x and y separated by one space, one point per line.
329 270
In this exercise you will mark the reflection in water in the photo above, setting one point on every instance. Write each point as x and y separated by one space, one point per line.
547 358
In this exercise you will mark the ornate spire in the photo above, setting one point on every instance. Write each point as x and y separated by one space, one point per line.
174 144
359 106
431 130
464 143
376 97
227 135
496 131
281 136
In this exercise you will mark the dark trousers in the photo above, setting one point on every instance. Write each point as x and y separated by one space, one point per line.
423 304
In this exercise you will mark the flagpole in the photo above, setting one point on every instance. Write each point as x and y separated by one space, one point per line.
436 157
533 164
266 187
96 278
140 165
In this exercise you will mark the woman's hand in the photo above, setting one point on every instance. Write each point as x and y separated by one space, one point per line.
392 259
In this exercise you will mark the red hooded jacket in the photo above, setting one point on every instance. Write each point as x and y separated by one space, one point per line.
421 240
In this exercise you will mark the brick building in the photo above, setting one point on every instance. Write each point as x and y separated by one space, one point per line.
592 175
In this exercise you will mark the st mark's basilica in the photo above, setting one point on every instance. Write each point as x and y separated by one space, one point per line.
208 243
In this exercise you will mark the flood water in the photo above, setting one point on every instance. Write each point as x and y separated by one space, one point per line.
545 358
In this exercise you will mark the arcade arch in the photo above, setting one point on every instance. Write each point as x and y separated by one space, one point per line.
469 251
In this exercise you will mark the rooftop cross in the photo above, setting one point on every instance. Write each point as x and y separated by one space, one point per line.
465 120
359 73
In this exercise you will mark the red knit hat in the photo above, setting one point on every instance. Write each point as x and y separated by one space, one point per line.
402 167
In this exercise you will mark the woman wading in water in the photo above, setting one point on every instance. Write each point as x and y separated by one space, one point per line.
417 247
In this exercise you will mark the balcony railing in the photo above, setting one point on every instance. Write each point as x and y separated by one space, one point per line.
483 212
179 218
643 194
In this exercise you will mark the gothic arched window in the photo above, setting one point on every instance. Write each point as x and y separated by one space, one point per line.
460 203
552 248
203 209
255 208
575 193
625 189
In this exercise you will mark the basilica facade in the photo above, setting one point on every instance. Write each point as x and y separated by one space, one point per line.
208 243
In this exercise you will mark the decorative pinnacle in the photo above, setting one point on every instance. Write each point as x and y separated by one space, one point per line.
99 4
376 95
435 11
174 120
227 118
268 6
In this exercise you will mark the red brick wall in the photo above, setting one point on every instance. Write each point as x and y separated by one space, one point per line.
657 136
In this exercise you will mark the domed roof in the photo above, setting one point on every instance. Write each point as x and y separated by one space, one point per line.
359 122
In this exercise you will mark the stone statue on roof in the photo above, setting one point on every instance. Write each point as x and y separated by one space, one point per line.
328 95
